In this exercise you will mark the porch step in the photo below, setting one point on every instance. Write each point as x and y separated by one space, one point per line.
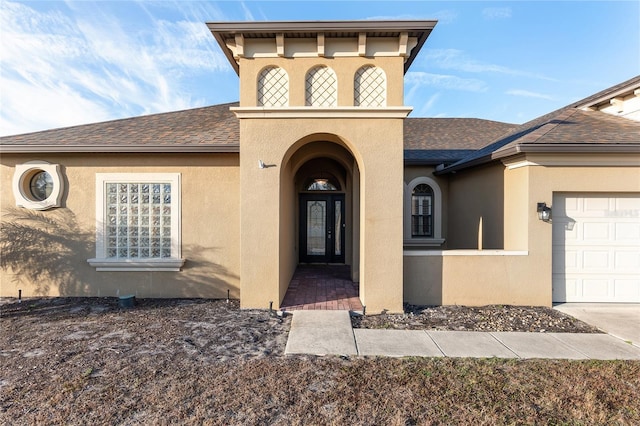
321 333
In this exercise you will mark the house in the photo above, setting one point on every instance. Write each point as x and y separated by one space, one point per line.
318 163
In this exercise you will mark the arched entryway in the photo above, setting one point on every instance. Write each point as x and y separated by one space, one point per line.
324 199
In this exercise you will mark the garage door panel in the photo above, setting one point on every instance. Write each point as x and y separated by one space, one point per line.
596 231
596 289
596 248
627 206
626 260
628 230
627 289
596 206
595 259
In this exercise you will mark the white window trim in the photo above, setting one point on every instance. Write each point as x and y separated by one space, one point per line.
21 179
101 262
437 239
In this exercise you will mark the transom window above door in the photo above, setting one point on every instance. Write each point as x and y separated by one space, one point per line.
322 183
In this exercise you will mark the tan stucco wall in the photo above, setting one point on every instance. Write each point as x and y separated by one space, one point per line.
516 208
475 208
268 197
210 229
505 277
472 279
267 235
345 69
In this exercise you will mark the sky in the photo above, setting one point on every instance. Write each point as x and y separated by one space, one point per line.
65 63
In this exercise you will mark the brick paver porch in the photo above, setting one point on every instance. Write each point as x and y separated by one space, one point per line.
322 287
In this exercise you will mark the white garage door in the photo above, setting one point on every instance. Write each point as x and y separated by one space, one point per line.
596 248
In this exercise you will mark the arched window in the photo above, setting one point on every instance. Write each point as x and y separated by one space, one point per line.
322 183
273 87
321 87
370 87
422 211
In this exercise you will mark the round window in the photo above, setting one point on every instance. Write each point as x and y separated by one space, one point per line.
41 185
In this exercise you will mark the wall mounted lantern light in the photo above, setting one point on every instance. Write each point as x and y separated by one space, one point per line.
544 212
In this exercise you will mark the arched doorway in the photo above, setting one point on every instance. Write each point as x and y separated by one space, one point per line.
322 211
321 179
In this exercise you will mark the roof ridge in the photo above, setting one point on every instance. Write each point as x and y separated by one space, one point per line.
546 127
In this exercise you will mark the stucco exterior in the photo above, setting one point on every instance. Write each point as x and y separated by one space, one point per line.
520 272
55 264
241 176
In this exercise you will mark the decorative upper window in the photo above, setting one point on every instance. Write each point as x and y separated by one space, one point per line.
38 185
273 87
138 222
321 87
370 87
422 211
322 184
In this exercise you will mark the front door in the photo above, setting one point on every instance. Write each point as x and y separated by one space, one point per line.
322 228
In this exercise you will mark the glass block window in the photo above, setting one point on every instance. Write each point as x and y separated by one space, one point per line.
422 211
370 87
321 87
273 87
137 217
138 220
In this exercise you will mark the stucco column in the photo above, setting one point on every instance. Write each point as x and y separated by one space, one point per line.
381 220
259 220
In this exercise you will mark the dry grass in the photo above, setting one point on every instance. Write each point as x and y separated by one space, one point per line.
161 378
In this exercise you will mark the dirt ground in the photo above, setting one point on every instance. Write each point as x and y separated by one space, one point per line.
88 361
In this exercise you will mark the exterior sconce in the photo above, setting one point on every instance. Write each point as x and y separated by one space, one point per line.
544 212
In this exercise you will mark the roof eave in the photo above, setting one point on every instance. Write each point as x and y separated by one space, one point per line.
555 148
218 28
119 149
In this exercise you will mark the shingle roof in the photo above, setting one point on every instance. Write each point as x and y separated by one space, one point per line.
213 128
565 129
446 140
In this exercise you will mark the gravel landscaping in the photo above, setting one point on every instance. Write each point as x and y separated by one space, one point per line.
485 318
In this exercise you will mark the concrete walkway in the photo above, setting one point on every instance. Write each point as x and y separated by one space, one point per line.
621 320
330 333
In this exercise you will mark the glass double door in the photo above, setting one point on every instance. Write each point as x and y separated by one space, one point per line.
322 228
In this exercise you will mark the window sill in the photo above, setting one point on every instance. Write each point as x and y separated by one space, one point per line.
160 265
423 242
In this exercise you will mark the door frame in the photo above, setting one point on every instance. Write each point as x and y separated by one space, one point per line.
330 254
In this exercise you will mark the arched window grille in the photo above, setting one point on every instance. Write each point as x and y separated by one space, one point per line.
370 87
273 87
321 87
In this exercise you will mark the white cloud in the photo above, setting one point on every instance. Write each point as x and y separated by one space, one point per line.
496 12
528 94
85 66
248 16
455 59
424 107
445 16
416 79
